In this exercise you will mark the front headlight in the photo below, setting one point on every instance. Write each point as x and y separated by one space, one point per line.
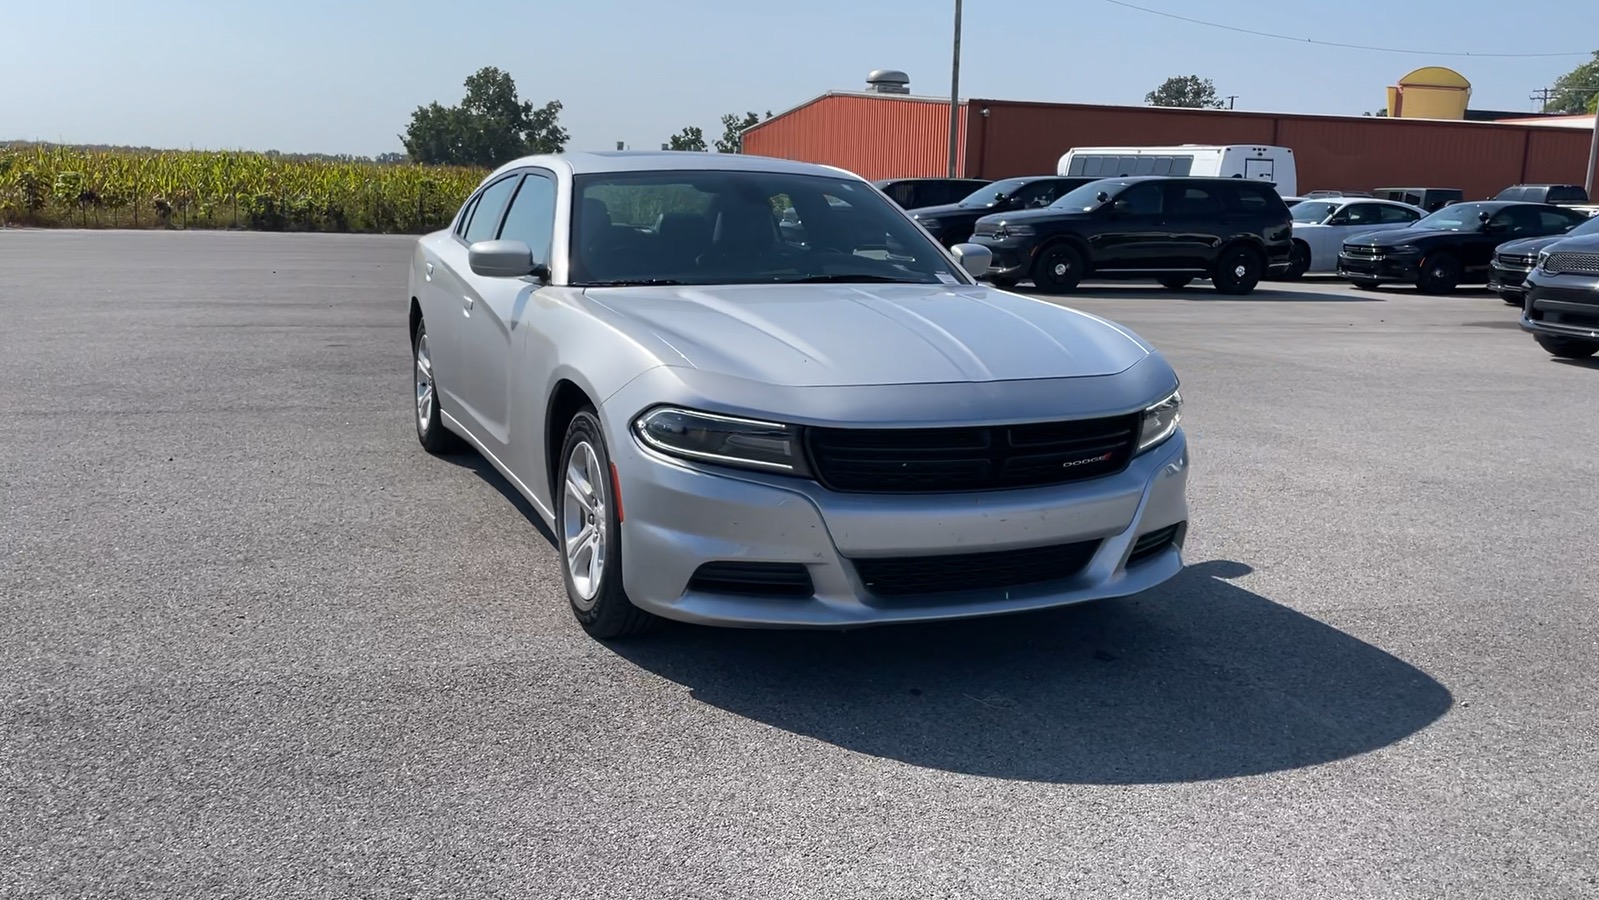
1009 231
1403 250
1160 421
723 440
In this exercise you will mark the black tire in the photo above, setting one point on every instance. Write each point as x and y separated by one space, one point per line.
1567 348
608 613
1511 300
1298 262
1175 282
1365 284
1440 274
430 430
1238 270
1003 284
1059 269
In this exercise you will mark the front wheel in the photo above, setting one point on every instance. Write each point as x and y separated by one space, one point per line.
1440 274
1298 262
1059 269
1567 348
1510 300
1238 271
591 536
430 431
1175 282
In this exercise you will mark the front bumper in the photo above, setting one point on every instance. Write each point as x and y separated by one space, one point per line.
1507 279
1405 269
1561 306
679 517
1013 258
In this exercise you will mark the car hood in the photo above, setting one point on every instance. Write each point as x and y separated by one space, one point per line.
1529 246
866 334
950 209
1025 215
1396 236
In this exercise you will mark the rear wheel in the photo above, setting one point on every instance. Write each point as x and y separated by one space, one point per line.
1238 270
1440 274
1059 269
1567 348
1003 284
591 536
1175 282
430 431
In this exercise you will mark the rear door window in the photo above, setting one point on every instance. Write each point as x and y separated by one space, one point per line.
486 217
1396 215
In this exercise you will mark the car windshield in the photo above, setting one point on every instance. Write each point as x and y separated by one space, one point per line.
1086 198
989 194
1459 217
1312 212
705 227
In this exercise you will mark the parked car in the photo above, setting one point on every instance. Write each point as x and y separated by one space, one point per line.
1322 226
1513 260
722 426
1562 303
952 223
1555 194
1450 247
1431 199
916 193
1172 230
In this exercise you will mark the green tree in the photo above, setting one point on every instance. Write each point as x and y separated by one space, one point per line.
733 128
491 126
1185 90
690 138
1577 91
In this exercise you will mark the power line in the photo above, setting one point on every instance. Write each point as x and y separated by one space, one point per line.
1289 37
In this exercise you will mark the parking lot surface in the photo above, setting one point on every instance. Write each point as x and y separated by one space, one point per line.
256 642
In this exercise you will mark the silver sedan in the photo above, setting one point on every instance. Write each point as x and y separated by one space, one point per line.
745 391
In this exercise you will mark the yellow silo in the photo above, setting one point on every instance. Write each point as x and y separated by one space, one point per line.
1431 92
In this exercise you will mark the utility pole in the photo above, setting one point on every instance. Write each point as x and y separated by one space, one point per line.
1593 157
955 92
1230 99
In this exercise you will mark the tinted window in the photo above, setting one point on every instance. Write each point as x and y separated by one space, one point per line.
1312 212
466 216
1146 165
983 197
1038 193
710 227
1086 197
1253 198
1556 221
1182 165
1143 199
486 218
1515 220
1193 200
531 218
1460 217
1566 194
1362 214
1397 215
1589 226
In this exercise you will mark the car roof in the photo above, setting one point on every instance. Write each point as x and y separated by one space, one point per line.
882 181
590 162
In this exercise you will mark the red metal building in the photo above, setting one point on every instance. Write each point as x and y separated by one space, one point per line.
883 135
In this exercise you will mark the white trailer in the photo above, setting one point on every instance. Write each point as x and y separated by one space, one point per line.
1270 164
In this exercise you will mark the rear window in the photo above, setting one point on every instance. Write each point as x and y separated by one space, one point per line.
1567 194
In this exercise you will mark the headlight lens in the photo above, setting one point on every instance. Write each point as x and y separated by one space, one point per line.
1160 421
723 440
1008 231
1403 250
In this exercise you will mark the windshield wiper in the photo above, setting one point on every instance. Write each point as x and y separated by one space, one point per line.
630 282
856 278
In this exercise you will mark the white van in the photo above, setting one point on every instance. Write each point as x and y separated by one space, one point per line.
1270 164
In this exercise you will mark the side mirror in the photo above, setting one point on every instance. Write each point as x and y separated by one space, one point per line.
503 259
974 258
1101 196
1483 217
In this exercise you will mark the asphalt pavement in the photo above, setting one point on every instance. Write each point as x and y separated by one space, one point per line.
255 642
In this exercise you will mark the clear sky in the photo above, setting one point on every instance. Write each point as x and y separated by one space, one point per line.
342 76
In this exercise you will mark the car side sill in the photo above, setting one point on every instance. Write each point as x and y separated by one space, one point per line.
454 425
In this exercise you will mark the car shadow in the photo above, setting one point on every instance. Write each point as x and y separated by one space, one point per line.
1196 680
482 468
1591 362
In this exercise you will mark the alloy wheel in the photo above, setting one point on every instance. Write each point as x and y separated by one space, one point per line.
583 523
425 390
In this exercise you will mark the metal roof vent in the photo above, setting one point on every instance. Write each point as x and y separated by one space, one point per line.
888 81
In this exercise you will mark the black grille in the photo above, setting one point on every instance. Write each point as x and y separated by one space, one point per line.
899 576
1572 264
928 460
1516 260
1362 251
1150 545
753 579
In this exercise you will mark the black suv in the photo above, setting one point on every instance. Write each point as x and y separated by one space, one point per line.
1171 230
915 193
952 223
1562 305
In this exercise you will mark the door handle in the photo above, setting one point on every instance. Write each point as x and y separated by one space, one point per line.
468 302
429 275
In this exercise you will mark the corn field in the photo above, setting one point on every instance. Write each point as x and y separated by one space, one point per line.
69 187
